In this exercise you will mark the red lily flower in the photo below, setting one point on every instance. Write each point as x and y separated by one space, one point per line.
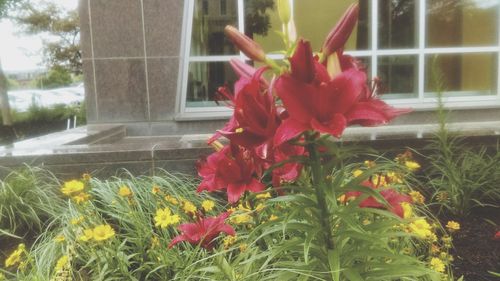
315 101
232 168
256 118
497 236
248 46
204 231
393 198
290 171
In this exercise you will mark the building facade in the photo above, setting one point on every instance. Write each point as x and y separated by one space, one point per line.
155 65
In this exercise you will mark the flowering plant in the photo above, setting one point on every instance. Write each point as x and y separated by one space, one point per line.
283 135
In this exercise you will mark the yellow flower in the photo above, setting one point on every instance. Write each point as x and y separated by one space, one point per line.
188 207
407 210
412 165
263 195
447 241
156 189
88 234
435 249
15 257
244 207
417 197
2 277
421 228
103 232
453 226
171 200
59 238
86 177
241 219
243 247
164 218
394 177
72 187
81 198
155 242
437 264
228 241
208 205
61 263
273 217
357 173
76 221
370 164
379 180
259 207
125 191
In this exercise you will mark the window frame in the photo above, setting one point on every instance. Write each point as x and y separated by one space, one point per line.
421 102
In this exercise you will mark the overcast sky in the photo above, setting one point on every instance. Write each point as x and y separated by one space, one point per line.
20 52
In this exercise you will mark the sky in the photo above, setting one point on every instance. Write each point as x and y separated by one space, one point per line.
21 52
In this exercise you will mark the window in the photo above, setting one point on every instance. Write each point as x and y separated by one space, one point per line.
223 7
403 42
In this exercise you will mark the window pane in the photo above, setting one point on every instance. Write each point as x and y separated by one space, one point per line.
208 27
315 19
398 75
463 74
398 21
462 23
204 78
262 22
367 63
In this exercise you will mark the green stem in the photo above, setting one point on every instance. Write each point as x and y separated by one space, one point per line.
319 187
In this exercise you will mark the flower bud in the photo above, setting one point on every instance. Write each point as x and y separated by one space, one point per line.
284 11
249 47
339 35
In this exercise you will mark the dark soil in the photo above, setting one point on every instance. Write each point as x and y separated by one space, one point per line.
475 251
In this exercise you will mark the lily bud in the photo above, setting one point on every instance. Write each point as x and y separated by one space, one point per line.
339 35
284 11
249 47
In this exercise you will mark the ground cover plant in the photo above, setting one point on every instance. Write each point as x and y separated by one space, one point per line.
283 199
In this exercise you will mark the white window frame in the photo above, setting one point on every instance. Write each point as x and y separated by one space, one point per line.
418 103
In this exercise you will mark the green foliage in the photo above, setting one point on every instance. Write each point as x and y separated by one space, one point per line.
28 200
62 46
461 177
55 78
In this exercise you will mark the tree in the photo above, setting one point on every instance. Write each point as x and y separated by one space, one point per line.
5 6
57 77
62 33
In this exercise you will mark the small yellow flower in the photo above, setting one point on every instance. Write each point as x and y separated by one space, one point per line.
273 217
357 173
171 200
88 234
228 241
244 207
417 197
164 218
421 228
62 262
76 221
86 177
447 241
125 191
15 257
259 207
72 187
155 190
407 210
263 195
208 205
81 198
437 264
155 242
241 219
60 238
103 232
412 165
442 196
394 177
2 277
370 164
188 207
453 226
379 180
435 249
243 247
